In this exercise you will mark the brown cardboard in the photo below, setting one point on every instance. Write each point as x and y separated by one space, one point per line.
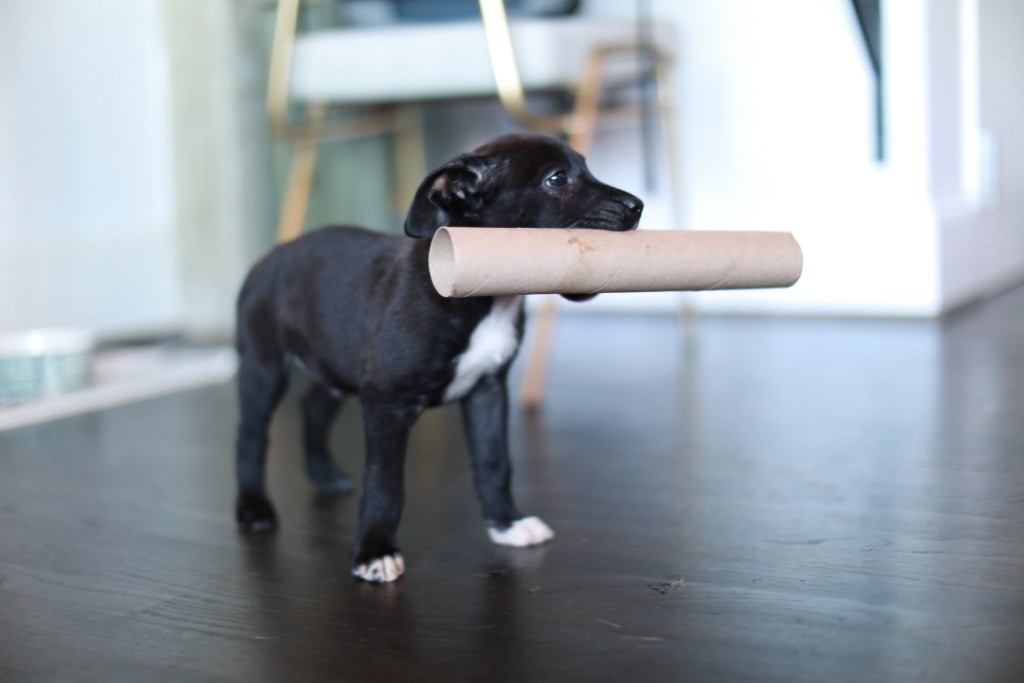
497 261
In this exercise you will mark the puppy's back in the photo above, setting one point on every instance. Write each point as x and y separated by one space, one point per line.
326 268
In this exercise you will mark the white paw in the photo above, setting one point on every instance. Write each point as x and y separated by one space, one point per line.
523 532
382 570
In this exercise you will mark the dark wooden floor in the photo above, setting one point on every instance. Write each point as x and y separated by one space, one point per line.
781 500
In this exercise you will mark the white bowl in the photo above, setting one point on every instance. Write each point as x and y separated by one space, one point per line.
44 362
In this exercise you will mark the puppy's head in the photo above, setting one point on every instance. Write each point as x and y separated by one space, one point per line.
519 180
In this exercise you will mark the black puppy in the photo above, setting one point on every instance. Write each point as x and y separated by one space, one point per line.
357 311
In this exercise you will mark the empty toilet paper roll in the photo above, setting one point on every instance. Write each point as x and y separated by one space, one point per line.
497 261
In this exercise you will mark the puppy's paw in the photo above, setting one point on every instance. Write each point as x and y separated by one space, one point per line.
381 570
328 480
255 514
522 533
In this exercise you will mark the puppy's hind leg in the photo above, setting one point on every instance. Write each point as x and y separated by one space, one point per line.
319 408
485 418
260 388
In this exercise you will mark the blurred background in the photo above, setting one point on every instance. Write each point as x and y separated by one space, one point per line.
139 178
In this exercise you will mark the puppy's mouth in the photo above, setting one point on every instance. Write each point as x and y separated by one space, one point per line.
600 222
619 215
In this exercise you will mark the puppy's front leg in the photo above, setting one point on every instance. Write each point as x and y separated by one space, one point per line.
485 418
375 555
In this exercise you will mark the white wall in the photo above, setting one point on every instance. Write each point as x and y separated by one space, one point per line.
982 228
225 196
776 109
787 145
86 186
136 181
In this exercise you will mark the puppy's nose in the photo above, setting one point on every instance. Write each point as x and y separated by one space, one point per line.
632 204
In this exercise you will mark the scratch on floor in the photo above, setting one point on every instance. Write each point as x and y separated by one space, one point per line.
670 586
653 639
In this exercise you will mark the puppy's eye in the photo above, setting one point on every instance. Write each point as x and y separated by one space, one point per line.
557 179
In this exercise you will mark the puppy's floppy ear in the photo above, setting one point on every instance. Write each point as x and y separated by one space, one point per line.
447 195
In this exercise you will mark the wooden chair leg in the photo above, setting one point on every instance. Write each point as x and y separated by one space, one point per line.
581 136
532 391
300 181
585 117
296 199
689 320
410 155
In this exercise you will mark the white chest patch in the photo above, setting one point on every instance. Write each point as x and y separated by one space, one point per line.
490 346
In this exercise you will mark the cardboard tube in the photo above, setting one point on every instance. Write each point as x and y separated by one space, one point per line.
498 261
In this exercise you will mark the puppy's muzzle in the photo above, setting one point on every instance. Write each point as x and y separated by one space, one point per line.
617 210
